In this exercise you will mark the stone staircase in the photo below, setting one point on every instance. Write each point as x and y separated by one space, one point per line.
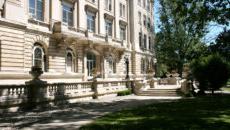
160 92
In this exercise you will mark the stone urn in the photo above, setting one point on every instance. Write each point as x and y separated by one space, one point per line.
36 72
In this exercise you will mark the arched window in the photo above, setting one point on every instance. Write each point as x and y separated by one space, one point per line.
39 57
70 61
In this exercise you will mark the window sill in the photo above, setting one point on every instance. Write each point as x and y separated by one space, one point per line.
111 11
38 22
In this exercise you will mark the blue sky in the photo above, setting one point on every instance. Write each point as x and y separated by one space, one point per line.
213 28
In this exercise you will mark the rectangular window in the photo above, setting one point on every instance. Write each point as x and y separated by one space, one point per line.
150 44
145 42
148 5
140 39
144 20
122 10
67 14
122 33
149 23
36 9
91 22
139 17
144 3
108 5
109 27
139 2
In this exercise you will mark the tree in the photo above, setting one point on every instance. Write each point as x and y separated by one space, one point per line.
183 23
222 45
178 37
212 72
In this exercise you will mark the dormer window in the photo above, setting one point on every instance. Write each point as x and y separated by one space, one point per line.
36 9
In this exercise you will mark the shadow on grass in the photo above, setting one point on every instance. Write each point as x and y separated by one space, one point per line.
212 112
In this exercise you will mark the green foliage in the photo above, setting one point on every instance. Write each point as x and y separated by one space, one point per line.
179 38
222 45
183 23
162 69
193 114
124 93
212 72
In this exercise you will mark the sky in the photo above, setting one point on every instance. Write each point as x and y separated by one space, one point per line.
213 28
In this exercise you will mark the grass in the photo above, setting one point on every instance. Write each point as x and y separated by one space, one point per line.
211 113
226 89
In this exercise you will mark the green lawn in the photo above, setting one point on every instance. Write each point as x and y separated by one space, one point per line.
211 113
226 89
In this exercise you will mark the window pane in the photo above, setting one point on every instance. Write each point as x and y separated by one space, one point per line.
70 23
32 4
120 9
38 63
40 10
32 7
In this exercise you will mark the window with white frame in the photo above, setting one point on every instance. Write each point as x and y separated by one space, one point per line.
139 2
39 57
70 61
149 23
122 10
122 32
67 14
109 27
112 65
144 20
144 3
140 40
108 5
145 42
91 21
143 66
139 17
148 5
91 63
36 10
150 44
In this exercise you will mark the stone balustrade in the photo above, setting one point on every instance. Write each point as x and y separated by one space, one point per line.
18 94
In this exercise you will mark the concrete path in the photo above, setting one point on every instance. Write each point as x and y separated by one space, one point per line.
74 115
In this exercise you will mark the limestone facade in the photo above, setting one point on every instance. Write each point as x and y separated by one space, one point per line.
70 39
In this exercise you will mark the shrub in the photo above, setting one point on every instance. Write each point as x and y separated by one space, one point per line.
212 72
125 92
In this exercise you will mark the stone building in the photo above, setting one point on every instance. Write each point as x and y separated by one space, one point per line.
69 39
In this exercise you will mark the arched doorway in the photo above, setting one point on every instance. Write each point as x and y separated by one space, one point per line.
91 63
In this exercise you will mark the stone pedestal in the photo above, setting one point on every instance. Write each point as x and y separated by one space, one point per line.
37 89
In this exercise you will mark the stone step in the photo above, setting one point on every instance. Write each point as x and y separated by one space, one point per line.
159 92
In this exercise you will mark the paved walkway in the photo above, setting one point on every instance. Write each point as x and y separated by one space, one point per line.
72 116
